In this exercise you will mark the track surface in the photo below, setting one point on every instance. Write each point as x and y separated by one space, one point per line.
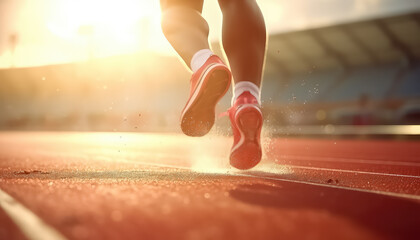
151 186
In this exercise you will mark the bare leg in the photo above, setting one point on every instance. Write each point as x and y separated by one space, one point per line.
187 32
244 39
184 27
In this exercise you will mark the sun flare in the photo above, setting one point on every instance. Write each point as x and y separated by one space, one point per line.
107 27
62 31
97 28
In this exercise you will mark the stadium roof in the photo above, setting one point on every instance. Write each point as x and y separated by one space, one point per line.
345 46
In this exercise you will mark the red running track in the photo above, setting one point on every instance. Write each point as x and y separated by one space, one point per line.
151 186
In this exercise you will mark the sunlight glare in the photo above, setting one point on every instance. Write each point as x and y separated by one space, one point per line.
114 27
205 163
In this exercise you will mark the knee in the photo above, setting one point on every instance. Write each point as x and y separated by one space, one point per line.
175 18
167 22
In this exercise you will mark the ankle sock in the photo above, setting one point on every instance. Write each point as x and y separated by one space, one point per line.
245 86
200 58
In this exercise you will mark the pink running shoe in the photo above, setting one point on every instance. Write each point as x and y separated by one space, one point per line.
208 85
246 120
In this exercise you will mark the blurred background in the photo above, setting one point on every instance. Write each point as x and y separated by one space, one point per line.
333 68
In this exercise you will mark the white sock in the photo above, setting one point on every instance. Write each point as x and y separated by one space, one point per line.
200 58
245 86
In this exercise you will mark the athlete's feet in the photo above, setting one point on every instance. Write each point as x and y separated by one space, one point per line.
246 120
208 85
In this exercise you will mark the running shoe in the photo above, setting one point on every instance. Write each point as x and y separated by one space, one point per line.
246 120
208 85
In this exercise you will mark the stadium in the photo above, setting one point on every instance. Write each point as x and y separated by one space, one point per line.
91 148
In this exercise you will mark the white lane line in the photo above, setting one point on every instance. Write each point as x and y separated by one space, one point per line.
31 225
349 160
177 156
392 194
286 165
351 171
231 173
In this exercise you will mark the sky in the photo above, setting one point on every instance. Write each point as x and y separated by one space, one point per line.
59 31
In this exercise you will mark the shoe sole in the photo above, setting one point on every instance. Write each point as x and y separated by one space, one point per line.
199 114
247 152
